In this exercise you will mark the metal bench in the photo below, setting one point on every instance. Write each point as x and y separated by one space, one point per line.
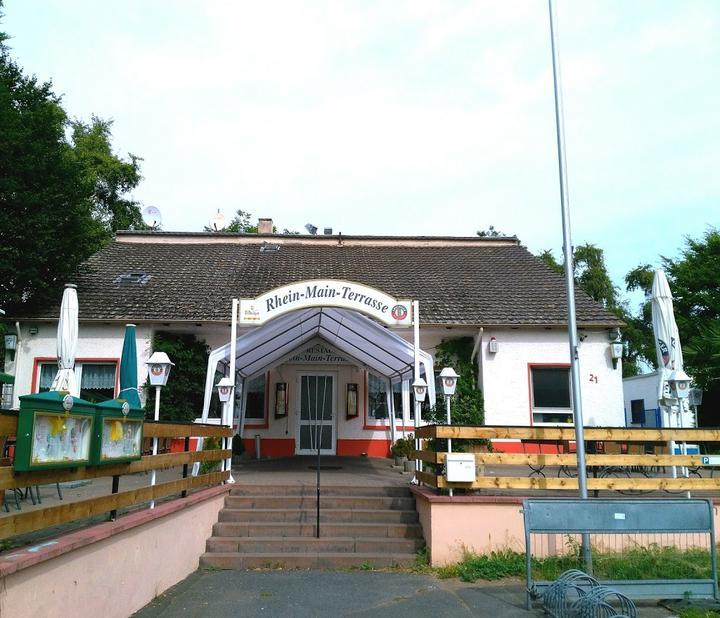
624 516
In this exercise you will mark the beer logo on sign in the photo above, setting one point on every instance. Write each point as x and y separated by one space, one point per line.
664 351
399 312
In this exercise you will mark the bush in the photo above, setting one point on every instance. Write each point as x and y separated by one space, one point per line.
210 444
182 398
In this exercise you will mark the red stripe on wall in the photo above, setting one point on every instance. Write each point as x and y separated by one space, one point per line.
356 448
270 447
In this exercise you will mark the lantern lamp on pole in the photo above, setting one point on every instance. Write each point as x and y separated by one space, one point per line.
420 390
448 377
225 388
159 366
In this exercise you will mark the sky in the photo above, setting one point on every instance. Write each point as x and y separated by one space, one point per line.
402 117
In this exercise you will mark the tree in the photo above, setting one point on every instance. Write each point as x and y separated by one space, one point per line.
241 223
60 199
591 274
47 227
592 277
109 178
491 232
694 280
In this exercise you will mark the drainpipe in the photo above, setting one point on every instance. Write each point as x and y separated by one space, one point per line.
476 347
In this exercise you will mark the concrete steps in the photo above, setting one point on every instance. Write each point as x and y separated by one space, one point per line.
275 526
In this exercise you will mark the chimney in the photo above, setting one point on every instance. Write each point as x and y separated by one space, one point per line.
265 226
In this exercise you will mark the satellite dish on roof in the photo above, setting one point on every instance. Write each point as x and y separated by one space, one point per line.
217 222
152 217
311 228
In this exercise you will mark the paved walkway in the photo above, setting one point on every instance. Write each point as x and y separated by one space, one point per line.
336 593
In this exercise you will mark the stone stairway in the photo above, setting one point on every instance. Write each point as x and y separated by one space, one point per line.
274 527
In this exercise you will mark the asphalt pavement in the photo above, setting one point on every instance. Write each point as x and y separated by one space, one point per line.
341 593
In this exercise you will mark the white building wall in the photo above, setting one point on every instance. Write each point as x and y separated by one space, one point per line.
96 342
646 387
505 374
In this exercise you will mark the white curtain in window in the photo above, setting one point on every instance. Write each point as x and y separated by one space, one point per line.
97 377
47 375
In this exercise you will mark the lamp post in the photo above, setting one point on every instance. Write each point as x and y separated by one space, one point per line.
225 389
679 383
420 390
159 366
448 377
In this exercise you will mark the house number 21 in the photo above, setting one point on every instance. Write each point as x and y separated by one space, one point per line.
593 378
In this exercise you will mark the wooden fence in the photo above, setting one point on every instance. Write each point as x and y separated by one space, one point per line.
632 473
37 519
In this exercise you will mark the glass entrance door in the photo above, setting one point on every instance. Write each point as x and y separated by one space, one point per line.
316 414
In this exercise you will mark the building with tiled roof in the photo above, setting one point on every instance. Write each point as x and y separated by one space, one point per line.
490 289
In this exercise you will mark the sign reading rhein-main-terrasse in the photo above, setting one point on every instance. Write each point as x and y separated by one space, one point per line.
326 293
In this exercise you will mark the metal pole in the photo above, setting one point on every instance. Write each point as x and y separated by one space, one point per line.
230 407
416 354
155 440
449 442
569 281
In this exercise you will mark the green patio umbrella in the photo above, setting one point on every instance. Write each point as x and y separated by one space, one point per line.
129 369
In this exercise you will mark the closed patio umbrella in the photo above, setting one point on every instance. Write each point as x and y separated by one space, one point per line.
67 340
667 338
667 347
129 369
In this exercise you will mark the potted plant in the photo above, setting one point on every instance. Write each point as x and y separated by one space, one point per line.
403 449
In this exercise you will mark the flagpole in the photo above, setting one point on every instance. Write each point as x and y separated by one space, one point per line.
569 281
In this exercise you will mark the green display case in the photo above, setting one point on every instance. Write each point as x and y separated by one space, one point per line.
55 430
118 433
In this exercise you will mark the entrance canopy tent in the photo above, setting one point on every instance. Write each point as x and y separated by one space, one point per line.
362 340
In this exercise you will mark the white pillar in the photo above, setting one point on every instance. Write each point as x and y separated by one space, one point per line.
229 408
391 410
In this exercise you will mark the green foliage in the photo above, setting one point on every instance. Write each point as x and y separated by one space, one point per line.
693 279
650 562
695 284
108 176
209 444
591 273
592 277
404 447
182 398
467 406
60 197
42 193
241 222
491 232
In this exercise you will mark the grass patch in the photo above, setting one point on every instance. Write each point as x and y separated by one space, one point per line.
652 562
693 612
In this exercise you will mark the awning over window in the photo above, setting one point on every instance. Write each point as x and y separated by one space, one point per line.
6 378
371 345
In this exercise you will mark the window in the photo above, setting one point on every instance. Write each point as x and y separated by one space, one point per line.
637 411
551 401
377 398
97 380
255 399
132 280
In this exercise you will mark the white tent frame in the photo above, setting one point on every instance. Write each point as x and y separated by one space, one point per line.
361 339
